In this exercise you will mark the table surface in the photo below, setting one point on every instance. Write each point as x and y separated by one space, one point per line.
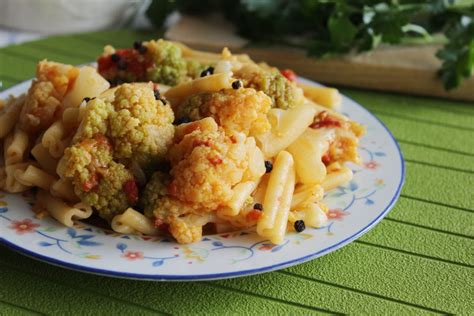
419 259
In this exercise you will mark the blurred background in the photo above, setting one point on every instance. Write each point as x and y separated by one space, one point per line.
423 47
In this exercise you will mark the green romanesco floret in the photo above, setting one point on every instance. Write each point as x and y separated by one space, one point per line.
284 93
140 126
170 66
98 180
94 120
155 189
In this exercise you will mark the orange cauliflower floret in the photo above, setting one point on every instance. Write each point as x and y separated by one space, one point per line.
206 164
43 103
140 126
242 110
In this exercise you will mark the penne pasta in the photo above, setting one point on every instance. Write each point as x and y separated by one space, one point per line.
241 193
335 179
9 115
275 191
277 233
11 183
306 194
63 189
62 212
327 97
307 151
58 150
15 147
34 177
210 83
52 137
44 158
132 221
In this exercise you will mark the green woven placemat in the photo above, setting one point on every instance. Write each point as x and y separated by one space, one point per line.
418 260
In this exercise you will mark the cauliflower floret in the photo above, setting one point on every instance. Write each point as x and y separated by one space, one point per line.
140 126
114 136
158 61
170 67
94 120
98 180
206 163
184 232
242 110
155 189
284 93
43 103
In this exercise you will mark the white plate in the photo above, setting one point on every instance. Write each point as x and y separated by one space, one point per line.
354 209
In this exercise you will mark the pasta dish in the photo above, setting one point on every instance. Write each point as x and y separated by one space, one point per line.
164 139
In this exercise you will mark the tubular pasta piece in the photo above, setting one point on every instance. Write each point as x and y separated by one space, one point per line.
11 183
63 189
210 83
307 151
277 233
9 115
132 221
58 150
52 137
275 192
62 212
71 117
44 158
15 147
335 179
306 194
34 177
241 192
287 126
327 97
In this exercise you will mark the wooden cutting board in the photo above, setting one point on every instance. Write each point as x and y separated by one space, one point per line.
403 69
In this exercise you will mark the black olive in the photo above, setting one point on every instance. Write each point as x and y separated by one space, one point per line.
258 206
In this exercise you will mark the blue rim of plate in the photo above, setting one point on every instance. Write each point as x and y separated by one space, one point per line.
227 275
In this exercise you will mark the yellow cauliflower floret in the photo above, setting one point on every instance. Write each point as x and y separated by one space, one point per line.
206 164
242 110
94 119
183 232
140 126
43 102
